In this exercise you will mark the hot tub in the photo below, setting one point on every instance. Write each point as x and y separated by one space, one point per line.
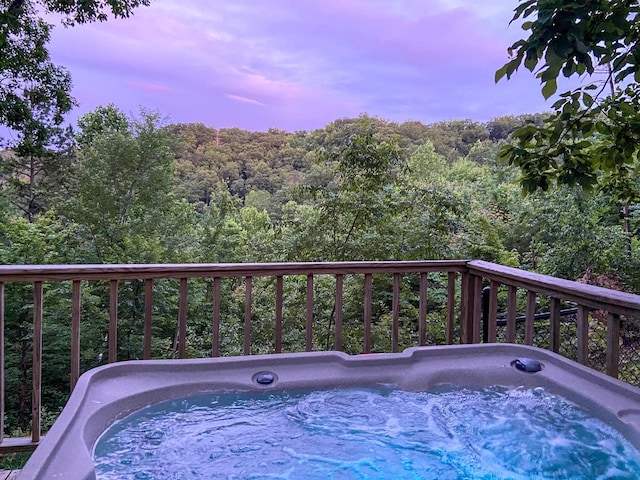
109 393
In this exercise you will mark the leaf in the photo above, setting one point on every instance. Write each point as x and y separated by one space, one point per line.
501 72
550 87
521 9
602 128
569 69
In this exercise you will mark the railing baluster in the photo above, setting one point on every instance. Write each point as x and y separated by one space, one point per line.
613 344
465 307
113 321
338 313
2 378
309 326
422 315
36 392
554 324
148 318
247 315
476 313
529 323
511 313
215 320
75 332
182 319
582 332
368 294
395 328
279 298
493 312
451 307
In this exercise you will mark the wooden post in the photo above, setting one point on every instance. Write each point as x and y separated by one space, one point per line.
613 344
582 332
529 326
247 316
148 318
451 307
279 298
554 324
476 313
511 313
75 332
422 318
309 328
113 321
339 308
493 311
215 319
395 314
467 308
368 293
182 318
2 378
36 392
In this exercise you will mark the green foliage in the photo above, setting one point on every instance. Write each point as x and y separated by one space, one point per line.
30 84
35 94
591 138
45 240
122 192
425 167
85 11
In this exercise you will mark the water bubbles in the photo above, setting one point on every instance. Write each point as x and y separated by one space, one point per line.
155 434
495 433
244 448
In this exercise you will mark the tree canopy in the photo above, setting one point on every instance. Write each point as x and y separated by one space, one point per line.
35 94
592 138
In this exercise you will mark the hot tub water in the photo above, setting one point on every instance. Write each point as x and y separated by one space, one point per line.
491 433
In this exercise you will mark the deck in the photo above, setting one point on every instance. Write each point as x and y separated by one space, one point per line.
356 307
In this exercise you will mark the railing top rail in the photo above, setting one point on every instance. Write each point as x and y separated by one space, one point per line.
589 295
30 273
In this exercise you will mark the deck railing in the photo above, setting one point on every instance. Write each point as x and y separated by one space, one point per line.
461 282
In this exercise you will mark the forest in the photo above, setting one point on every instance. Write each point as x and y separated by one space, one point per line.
136 189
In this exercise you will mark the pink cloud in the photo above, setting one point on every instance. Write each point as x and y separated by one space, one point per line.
149 87
304 63
242 99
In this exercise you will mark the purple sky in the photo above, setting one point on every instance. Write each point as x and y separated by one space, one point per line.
299 64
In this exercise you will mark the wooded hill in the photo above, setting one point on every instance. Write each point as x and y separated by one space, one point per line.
135 190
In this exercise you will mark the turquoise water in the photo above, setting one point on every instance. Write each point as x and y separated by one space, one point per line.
490 434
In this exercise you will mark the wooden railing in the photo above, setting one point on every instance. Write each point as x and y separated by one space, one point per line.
587 298
462 282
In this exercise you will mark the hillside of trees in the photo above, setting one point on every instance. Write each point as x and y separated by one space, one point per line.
135 189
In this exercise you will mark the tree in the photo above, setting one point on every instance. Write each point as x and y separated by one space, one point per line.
359 202
592 138
425 166
36 170
123 190
28 78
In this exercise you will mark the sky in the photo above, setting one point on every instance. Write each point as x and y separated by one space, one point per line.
300 64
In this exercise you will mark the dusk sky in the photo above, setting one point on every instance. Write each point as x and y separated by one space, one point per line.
300 64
